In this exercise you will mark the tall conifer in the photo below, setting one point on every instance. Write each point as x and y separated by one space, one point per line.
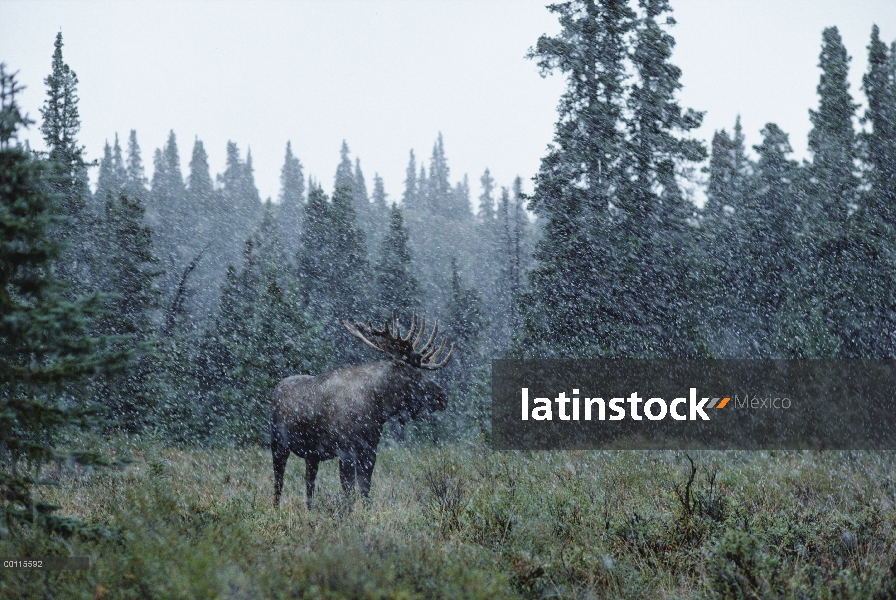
46 353
486 212
136 177
130 270
409 198
771 221
332 263
439 197
654 229
879 84
379 215
112 176
292 197
60 128
821 298
571 303
396 287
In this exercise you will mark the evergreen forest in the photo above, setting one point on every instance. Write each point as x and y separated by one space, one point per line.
165 302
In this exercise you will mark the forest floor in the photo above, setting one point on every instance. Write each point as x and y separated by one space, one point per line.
466 522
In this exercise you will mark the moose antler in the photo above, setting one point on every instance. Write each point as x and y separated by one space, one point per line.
407 349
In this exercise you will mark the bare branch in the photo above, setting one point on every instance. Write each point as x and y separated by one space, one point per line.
180 295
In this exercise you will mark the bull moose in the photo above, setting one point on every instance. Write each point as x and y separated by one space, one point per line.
341 413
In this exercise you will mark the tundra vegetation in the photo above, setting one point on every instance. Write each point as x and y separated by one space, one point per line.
159 314
465 522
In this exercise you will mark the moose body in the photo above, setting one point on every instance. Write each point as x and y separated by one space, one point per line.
341 413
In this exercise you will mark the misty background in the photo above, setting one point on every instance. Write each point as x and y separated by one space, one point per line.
388 76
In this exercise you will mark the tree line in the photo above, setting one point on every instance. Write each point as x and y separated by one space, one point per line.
784 260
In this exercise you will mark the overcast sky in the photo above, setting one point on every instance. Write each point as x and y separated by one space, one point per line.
388 76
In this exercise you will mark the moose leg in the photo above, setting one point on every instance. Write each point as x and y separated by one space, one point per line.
310 475
347 466
280 455
366 461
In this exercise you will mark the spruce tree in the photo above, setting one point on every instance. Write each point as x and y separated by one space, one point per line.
46 354
118 165
379 215
508 275
864 318
372 219
197 229
729 169
60 128
349 256
519 233
239 202
715 227
332 264
199 199
230 184
571 302
724 247
486 212
360 187
511 251
468 377
822 299
378 199
344 175
396 287
292 198
439 197
461 210
167 207
136 178
422 195
832 140
409 199
260 336
311 258
130 268
488 259
719 188
105 178
465 322
129 274
252 205
612 174
654 229
772 224
879 142
199 181
112 175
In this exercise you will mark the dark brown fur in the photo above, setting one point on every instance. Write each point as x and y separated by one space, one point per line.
340 414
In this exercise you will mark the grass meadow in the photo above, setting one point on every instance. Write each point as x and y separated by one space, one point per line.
466 522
